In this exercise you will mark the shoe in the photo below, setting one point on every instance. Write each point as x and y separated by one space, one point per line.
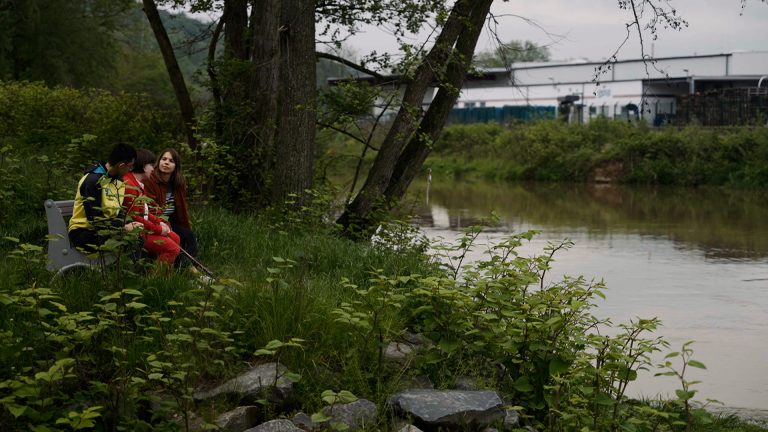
207 280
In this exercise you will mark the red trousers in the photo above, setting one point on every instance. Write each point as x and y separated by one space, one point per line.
165 248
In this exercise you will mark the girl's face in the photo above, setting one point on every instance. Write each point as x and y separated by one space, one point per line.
167 165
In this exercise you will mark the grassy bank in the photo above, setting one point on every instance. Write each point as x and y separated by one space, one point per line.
101 347
617 151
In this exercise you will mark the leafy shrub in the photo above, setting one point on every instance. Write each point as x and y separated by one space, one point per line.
39 119
555 151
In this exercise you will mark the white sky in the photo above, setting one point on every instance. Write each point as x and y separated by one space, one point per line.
593 29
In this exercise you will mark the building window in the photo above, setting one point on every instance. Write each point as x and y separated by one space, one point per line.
469 104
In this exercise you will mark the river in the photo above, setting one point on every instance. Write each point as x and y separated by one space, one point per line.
695 258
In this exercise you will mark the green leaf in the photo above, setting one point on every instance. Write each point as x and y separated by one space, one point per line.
696 364
346 396
319 417
558 366
292 377
133 292
685 395
274 344
604 399
449 345
16 410
523 385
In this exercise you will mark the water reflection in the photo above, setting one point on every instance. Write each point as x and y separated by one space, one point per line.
721 224
695 258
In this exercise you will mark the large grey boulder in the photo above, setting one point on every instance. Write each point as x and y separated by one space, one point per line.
356 415
450 409
239 419
265 381
275 426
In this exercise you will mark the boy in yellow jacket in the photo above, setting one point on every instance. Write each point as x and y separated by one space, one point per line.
99 199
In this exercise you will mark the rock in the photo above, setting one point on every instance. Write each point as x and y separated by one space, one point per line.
397 352
511 420
275 426
303 421
400 351
356 415
452 409
417 340
265 381
195 423
465 383
409 428
417 382
239 419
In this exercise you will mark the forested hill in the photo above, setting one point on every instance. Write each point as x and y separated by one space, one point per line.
107 45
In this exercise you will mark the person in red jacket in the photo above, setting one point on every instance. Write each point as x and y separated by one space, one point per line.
167 186
158 237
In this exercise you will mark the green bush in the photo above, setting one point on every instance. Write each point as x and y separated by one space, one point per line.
552 150
38 119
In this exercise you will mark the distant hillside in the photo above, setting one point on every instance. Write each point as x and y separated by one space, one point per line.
140 66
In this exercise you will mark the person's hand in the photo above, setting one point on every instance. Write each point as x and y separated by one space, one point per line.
132 226
165 229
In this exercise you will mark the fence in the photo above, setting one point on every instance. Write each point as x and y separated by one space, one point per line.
724 107
503 114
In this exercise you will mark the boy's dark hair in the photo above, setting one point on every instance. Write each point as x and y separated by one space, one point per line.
122 153
143 157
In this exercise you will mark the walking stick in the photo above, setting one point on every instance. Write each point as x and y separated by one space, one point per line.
198 264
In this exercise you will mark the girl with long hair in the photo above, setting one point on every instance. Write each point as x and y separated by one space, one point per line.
167 186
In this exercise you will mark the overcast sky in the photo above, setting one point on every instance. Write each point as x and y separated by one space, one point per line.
593 29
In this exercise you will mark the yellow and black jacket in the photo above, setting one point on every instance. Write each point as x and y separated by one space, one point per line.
98 200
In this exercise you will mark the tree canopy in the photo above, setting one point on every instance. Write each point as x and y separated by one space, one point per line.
512 52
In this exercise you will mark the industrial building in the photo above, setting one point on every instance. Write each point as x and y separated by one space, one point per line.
630 89
714 89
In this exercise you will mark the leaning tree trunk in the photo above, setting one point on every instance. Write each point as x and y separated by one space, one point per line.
362 215
295 136
174 72
410 162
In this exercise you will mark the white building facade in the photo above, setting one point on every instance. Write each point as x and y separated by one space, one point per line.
624 89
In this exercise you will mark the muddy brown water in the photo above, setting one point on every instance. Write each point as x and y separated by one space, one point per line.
695 258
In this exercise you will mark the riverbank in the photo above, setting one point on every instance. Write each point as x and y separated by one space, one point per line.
131 349
604 151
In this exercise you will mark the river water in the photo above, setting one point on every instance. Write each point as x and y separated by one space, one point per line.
695 258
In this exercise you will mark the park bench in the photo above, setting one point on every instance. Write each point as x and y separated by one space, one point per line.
61 255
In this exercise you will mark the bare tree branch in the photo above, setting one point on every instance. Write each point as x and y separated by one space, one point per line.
349 63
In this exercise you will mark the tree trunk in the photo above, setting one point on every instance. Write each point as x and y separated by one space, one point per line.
295 139
361 216
263 91
174 72
214 79
410 162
